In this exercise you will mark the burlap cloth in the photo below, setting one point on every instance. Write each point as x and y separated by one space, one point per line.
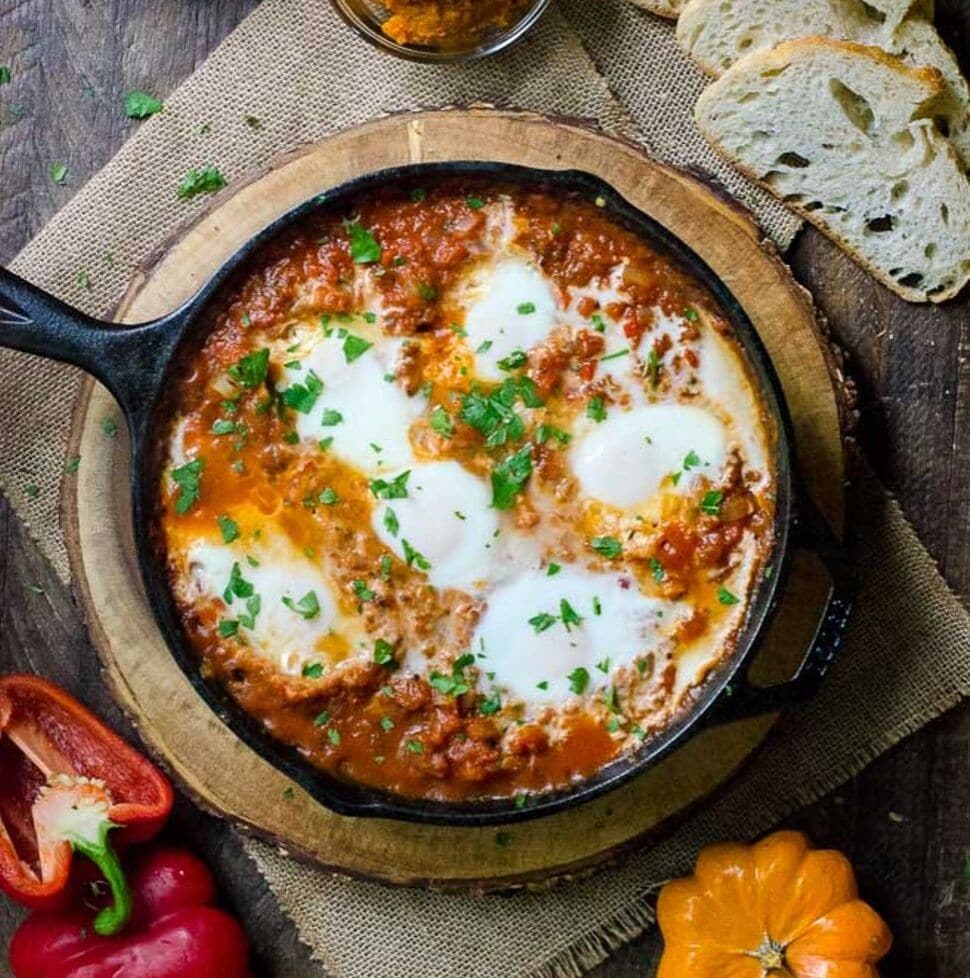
294 66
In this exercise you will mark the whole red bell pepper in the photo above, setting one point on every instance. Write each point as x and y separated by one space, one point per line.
66 782
174 932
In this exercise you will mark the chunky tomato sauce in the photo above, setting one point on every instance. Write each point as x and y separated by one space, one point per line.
302 603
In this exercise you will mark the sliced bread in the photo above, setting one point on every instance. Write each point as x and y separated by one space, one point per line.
844 135
718 32
662 8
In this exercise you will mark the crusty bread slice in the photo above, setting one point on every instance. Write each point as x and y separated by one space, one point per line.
662 8
844 135
717 32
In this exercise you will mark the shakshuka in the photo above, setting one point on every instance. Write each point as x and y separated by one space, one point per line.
467 490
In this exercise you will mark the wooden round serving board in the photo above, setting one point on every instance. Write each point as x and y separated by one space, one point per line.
221 772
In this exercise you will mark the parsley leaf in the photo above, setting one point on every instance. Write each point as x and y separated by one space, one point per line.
302 397
140 105
546 431
442 423
490 706
726 597
250 371
510 476
384 653
391 522
397 488
412 556
691 461
208 180
542 622
608 547
312 670
364 247
596 409
354 347
187 477
658 569
330 418
578 680
525 308
307 607
711 503
59 172
229 529
516 359
569 615
475 203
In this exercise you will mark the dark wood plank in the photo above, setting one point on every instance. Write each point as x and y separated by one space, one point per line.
904 820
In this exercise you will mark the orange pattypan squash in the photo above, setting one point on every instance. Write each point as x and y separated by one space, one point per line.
777 909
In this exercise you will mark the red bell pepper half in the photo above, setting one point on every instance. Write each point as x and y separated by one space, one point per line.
174 931
66 782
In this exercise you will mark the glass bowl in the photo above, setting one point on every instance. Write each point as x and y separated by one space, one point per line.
367 16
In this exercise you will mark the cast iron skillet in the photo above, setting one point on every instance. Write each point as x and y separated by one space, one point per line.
136 363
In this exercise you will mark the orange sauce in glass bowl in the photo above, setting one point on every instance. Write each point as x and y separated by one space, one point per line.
447 23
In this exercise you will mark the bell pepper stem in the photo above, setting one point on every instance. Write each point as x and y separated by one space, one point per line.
112 918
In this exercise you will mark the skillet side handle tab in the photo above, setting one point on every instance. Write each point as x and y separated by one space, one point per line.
126 359
812 533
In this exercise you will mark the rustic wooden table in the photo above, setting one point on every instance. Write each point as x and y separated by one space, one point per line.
905 821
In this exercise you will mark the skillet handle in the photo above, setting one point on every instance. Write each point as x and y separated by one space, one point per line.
127 360
814 534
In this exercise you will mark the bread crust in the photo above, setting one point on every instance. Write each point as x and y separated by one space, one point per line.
662 8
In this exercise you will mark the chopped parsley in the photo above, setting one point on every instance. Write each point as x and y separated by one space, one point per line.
726 597
227 628
510 476
302 397
397 488
333 735
384 653
322 719
59 172
412 556
442 423
208 180
691 315
312 670
657 569
418 194
187 478
5 75
307 607
330 418
608 547
229 529
238 586
140 105
546 431
615 356
542 622
653 367
597 606
73 464
250 371
109 426
415 747
552 570
578 680
516 359
711 503
475 203
364 247
691 461
494 415
354 347
491 705
525 308
484 346
387 724
427 292
329 497
598 322
596 409
569 616
391 522
363 592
